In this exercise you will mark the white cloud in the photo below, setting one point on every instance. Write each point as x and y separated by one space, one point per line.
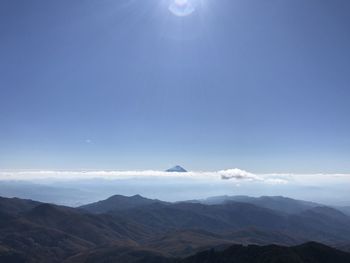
276 181
239 175
236 175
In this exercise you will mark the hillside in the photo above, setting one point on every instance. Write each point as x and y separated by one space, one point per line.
119 202
306 253
50 233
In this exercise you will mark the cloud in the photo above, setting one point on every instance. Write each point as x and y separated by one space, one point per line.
236 175
233 174
276 181
239 175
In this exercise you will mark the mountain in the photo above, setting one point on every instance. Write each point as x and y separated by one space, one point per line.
119 202
306 253
15 205
42 232
11 256
291 221
216 218
279 203
115 254
176 169
241 222
179 243
50 233
344 209
25 241
323 224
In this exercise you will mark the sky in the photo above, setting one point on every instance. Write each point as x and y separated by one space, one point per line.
262 85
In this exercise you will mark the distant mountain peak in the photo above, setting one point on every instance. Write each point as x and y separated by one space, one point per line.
177 169
138 197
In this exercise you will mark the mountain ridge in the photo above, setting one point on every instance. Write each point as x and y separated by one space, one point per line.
175 229
119 202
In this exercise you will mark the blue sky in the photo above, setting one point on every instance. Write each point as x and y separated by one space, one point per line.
102 84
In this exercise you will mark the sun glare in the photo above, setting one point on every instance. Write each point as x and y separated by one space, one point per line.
181 7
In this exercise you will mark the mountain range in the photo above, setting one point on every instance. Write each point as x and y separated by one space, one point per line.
142 229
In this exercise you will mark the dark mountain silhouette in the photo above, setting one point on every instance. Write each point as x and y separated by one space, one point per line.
306 253
16 205
344 209
97 230
279 203
216 218
246 223
119 202
120 254
49 233
10 256
177 169
331 225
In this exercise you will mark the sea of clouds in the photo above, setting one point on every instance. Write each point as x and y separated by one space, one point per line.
228 174
84 186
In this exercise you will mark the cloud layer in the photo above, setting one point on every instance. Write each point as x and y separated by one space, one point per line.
224 175
98 185
105 174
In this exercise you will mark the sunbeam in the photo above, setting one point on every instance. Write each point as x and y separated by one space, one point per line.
182 7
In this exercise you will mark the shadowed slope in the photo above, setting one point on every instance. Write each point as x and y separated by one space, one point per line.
119 202
306 253
43 231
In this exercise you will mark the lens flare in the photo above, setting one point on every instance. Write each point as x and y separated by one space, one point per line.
181 7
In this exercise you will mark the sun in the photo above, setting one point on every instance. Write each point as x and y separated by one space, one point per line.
181 7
